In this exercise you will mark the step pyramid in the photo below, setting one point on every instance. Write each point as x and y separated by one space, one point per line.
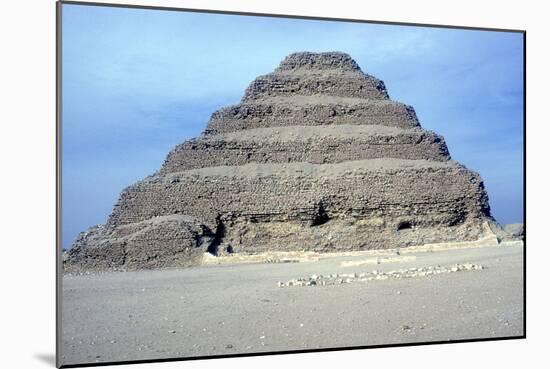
315 157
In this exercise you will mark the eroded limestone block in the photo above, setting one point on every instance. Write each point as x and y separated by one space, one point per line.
159 242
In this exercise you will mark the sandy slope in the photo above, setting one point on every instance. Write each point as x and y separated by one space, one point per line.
229 309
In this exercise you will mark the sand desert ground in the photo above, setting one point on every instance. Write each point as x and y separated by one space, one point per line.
239 308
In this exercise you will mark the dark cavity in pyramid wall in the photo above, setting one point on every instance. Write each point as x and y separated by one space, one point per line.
315 157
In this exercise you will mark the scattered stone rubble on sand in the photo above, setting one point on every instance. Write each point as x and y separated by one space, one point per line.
375 275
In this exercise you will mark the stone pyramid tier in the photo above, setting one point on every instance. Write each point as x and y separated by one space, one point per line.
319 110
310 89
317 145
315 157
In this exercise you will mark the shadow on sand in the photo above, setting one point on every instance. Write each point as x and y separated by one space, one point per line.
46 358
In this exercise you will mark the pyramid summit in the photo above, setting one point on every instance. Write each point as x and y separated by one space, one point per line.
318 61
315 157
309 74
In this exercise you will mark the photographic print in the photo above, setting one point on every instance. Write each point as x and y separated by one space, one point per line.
239 184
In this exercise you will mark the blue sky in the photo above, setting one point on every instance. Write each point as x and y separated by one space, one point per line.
138 82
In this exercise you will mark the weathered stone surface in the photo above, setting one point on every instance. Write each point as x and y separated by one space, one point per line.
515 231
507 233
319 207
315 158
329 61
346 84
311 111
159 242
318 145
